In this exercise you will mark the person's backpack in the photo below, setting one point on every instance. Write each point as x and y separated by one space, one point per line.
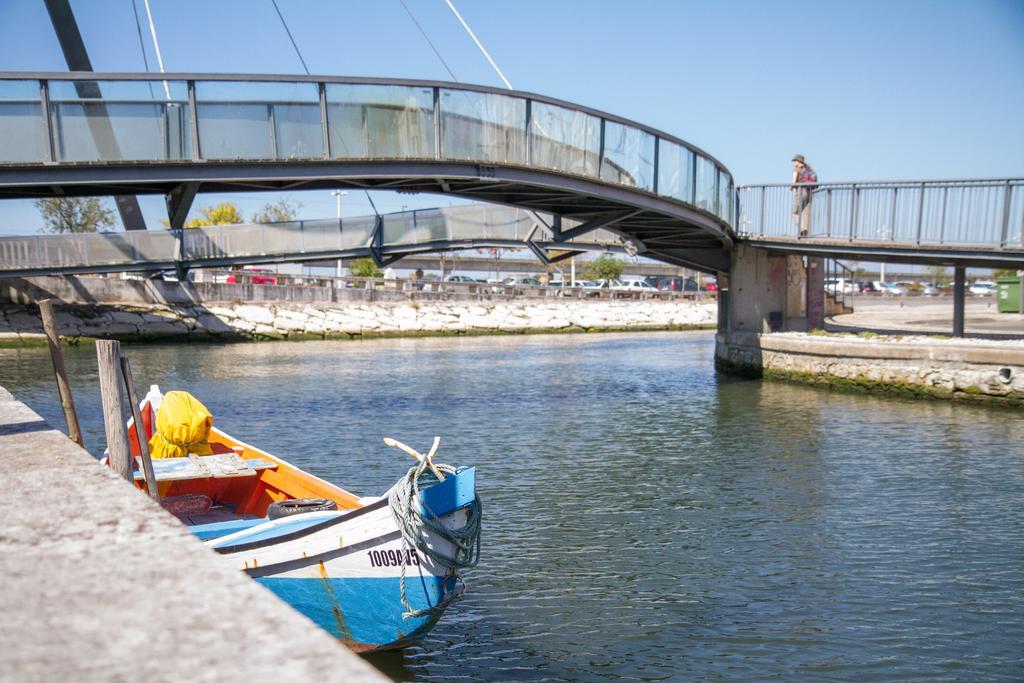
808 175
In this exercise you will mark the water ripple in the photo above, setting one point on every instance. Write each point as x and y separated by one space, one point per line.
647 519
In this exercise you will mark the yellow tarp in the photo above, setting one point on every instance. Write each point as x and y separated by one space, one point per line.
182 427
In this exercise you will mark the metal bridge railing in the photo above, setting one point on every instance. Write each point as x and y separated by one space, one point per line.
441 228
986 213
53 118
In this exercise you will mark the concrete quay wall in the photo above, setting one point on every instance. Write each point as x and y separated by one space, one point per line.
20 324
101 584
946 368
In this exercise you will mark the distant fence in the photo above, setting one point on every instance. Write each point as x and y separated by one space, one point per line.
986 213
265 287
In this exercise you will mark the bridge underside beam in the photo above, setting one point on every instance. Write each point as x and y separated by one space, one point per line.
945 255
662 223
179 202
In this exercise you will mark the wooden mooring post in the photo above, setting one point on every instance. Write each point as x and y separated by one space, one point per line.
140 429
67 402
108 357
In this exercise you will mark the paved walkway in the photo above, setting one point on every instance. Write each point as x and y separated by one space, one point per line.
927 315
100 584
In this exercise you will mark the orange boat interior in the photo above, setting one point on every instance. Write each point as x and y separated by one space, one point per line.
251 494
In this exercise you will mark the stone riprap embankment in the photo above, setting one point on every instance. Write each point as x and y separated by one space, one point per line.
20 323
923 366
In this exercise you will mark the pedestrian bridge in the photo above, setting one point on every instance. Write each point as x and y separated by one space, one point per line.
385 239
77 133
580 170
949 222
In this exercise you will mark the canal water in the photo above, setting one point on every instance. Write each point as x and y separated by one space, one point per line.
646 518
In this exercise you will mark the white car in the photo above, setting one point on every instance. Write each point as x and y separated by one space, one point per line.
983 288
890 289
839 286
638 286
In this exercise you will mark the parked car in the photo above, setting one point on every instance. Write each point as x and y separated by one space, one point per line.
983 288
667 283
523 281
257 276
711 286
867 287
838 285
928 289
890 289
638 286
460 278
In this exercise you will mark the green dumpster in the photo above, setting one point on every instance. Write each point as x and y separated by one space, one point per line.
1008 294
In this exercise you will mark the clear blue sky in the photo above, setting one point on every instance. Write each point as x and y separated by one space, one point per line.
866 90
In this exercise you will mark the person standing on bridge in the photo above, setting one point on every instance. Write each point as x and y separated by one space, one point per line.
802 174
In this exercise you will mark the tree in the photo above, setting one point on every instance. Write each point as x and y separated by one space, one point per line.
604 267
75 214
1004 273
937 275
365 267
223 214
282 210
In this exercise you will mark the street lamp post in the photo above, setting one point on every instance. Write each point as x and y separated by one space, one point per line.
338 194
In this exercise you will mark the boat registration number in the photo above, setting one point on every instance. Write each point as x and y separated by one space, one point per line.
393 558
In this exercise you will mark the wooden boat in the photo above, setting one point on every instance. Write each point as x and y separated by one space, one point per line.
375 573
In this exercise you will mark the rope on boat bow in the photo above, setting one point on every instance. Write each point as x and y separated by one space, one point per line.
416 521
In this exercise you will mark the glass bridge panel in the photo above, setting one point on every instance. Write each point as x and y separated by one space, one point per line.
675 171
239 120
21 120
564 139
725 203
707 179
380 121
120 120
628 156
483 126
356 232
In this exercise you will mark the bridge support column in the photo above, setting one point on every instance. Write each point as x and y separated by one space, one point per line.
959 298
769 292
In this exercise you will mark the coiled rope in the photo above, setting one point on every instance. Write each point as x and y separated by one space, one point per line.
417 521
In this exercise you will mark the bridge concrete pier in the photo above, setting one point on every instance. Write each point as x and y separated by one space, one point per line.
771 292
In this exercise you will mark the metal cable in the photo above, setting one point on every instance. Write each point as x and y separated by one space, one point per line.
142 44
429 42
288 31
478 44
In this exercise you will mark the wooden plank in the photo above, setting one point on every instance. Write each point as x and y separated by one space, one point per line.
216 466
223 465
140 430
108 357
67 402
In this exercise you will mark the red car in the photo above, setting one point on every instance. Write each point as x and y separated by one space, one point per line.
258 276
711 286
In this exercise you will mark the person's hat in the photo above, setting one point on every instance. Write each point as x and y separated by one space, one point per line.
800 158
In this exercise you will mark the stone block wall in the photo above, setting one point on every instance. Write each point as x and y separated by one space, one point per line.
912 366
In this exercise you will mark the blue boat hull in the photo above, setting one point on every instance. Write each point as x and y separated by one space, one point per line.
365 613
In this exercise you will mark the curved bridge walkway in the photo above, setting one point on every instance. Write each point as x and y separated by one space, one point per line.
77 133
83 133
